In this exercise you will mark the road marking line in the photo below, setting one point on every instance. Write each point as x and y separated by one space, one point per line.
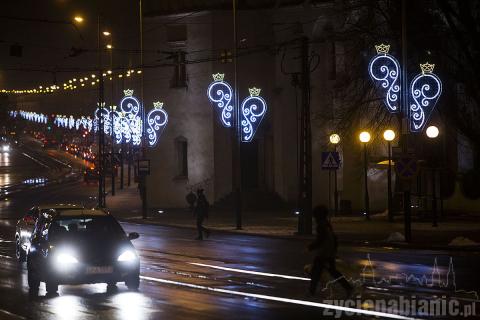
280 299
265 274
37 161
8 313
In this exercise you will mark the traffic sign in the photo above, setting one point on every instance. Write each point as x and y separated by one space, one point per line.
406 167
330 160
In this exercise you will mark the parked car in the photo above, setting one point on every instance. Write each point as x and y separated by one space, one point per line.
26 224
81 246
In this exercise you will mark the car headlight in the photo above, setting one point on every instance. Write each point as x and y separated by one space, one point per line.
64 258
127 255
6 148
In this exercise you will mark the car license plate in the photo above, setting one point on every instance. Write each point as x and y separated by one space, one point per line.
99 269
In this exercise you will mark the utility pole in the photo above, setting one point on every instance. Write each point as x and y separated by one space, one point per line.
237 154
406 193
101 141
305 150
142 177
112 150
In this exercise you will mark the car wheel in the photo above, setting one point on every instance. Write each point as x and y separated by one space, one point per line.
19 252
33 279
52 287
133 283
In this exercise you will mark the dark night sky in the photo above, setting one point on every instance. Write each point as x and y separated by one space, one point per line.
46 46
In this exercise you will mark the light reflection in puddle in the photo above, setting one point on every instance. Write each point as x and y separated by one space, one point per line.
131 305
66 307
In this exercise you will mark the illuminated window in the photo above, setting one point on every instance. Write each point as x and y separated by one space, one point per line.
181 147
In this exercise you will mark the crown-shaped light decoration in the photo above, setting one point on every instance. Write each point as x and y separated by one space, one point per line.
101 104
254 92
427 67
114 108
128 92
218 76
158 105
382 48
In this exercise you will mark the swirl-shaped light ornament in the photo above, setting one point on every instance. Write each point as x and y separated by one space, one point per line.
105 114
425 90
157 120
117 126
253 110
130 108
220 93
384 70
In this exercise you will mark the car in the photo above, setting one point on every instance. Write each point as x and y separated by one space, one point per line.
26 224
80 247
90 175
4 147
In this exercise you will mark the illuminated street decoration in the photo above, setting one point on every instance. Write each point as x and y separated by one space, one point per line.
425 90
157 120
384 69
130 107
220 93
126 123
253 110
117 126
30 116
105 114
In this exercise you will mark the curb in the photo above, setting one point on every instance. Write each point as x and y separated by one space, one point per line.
365 243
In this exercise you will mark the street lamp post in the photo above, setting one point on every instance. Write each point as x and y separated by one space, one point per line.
432 133
109 46
335 139
389 135
365 138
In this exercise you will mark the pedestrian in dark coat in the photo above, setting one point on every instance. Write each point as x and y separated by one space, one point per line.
201 213
325 247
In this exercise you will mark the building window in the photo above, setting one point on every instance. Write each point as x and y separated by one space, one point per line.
181 146
179 70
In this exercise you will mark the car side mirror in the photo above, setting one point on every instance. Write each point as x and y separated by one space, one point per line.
133 235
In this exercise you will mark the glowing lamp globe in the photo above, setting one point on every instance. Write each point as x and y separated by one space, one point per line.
364 137
432 132
389 135
334 138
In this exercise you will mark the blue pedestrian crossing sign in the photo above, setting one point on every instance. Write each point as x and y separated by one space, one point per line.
330 160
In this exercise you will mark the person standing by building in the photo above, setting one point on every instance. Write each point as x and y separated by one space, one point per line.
201 213
325 247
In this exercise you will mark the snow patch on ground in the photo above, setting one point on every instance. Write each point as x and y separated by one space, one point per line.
396 237
462 241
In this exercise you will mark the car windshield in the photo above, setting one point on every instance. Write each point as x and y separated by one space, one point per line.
95 227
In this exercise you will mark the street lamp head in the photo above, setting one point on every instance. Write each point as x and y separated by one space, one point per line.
364 136
389 135
78 19
334 138
106 33
432 132
109 46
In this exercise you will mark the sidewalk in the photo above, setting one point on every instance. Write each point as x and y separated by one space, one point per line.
126 206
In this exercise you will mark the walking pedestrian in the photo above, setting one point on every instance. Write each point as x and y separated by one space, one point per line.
201 213
325 247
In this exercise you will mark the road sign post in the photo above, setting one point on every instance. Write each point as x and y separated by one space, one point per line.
143 170
406 167
331 162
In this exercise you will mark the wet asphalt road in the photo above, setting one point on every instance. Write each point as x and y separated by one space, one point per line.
187 279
